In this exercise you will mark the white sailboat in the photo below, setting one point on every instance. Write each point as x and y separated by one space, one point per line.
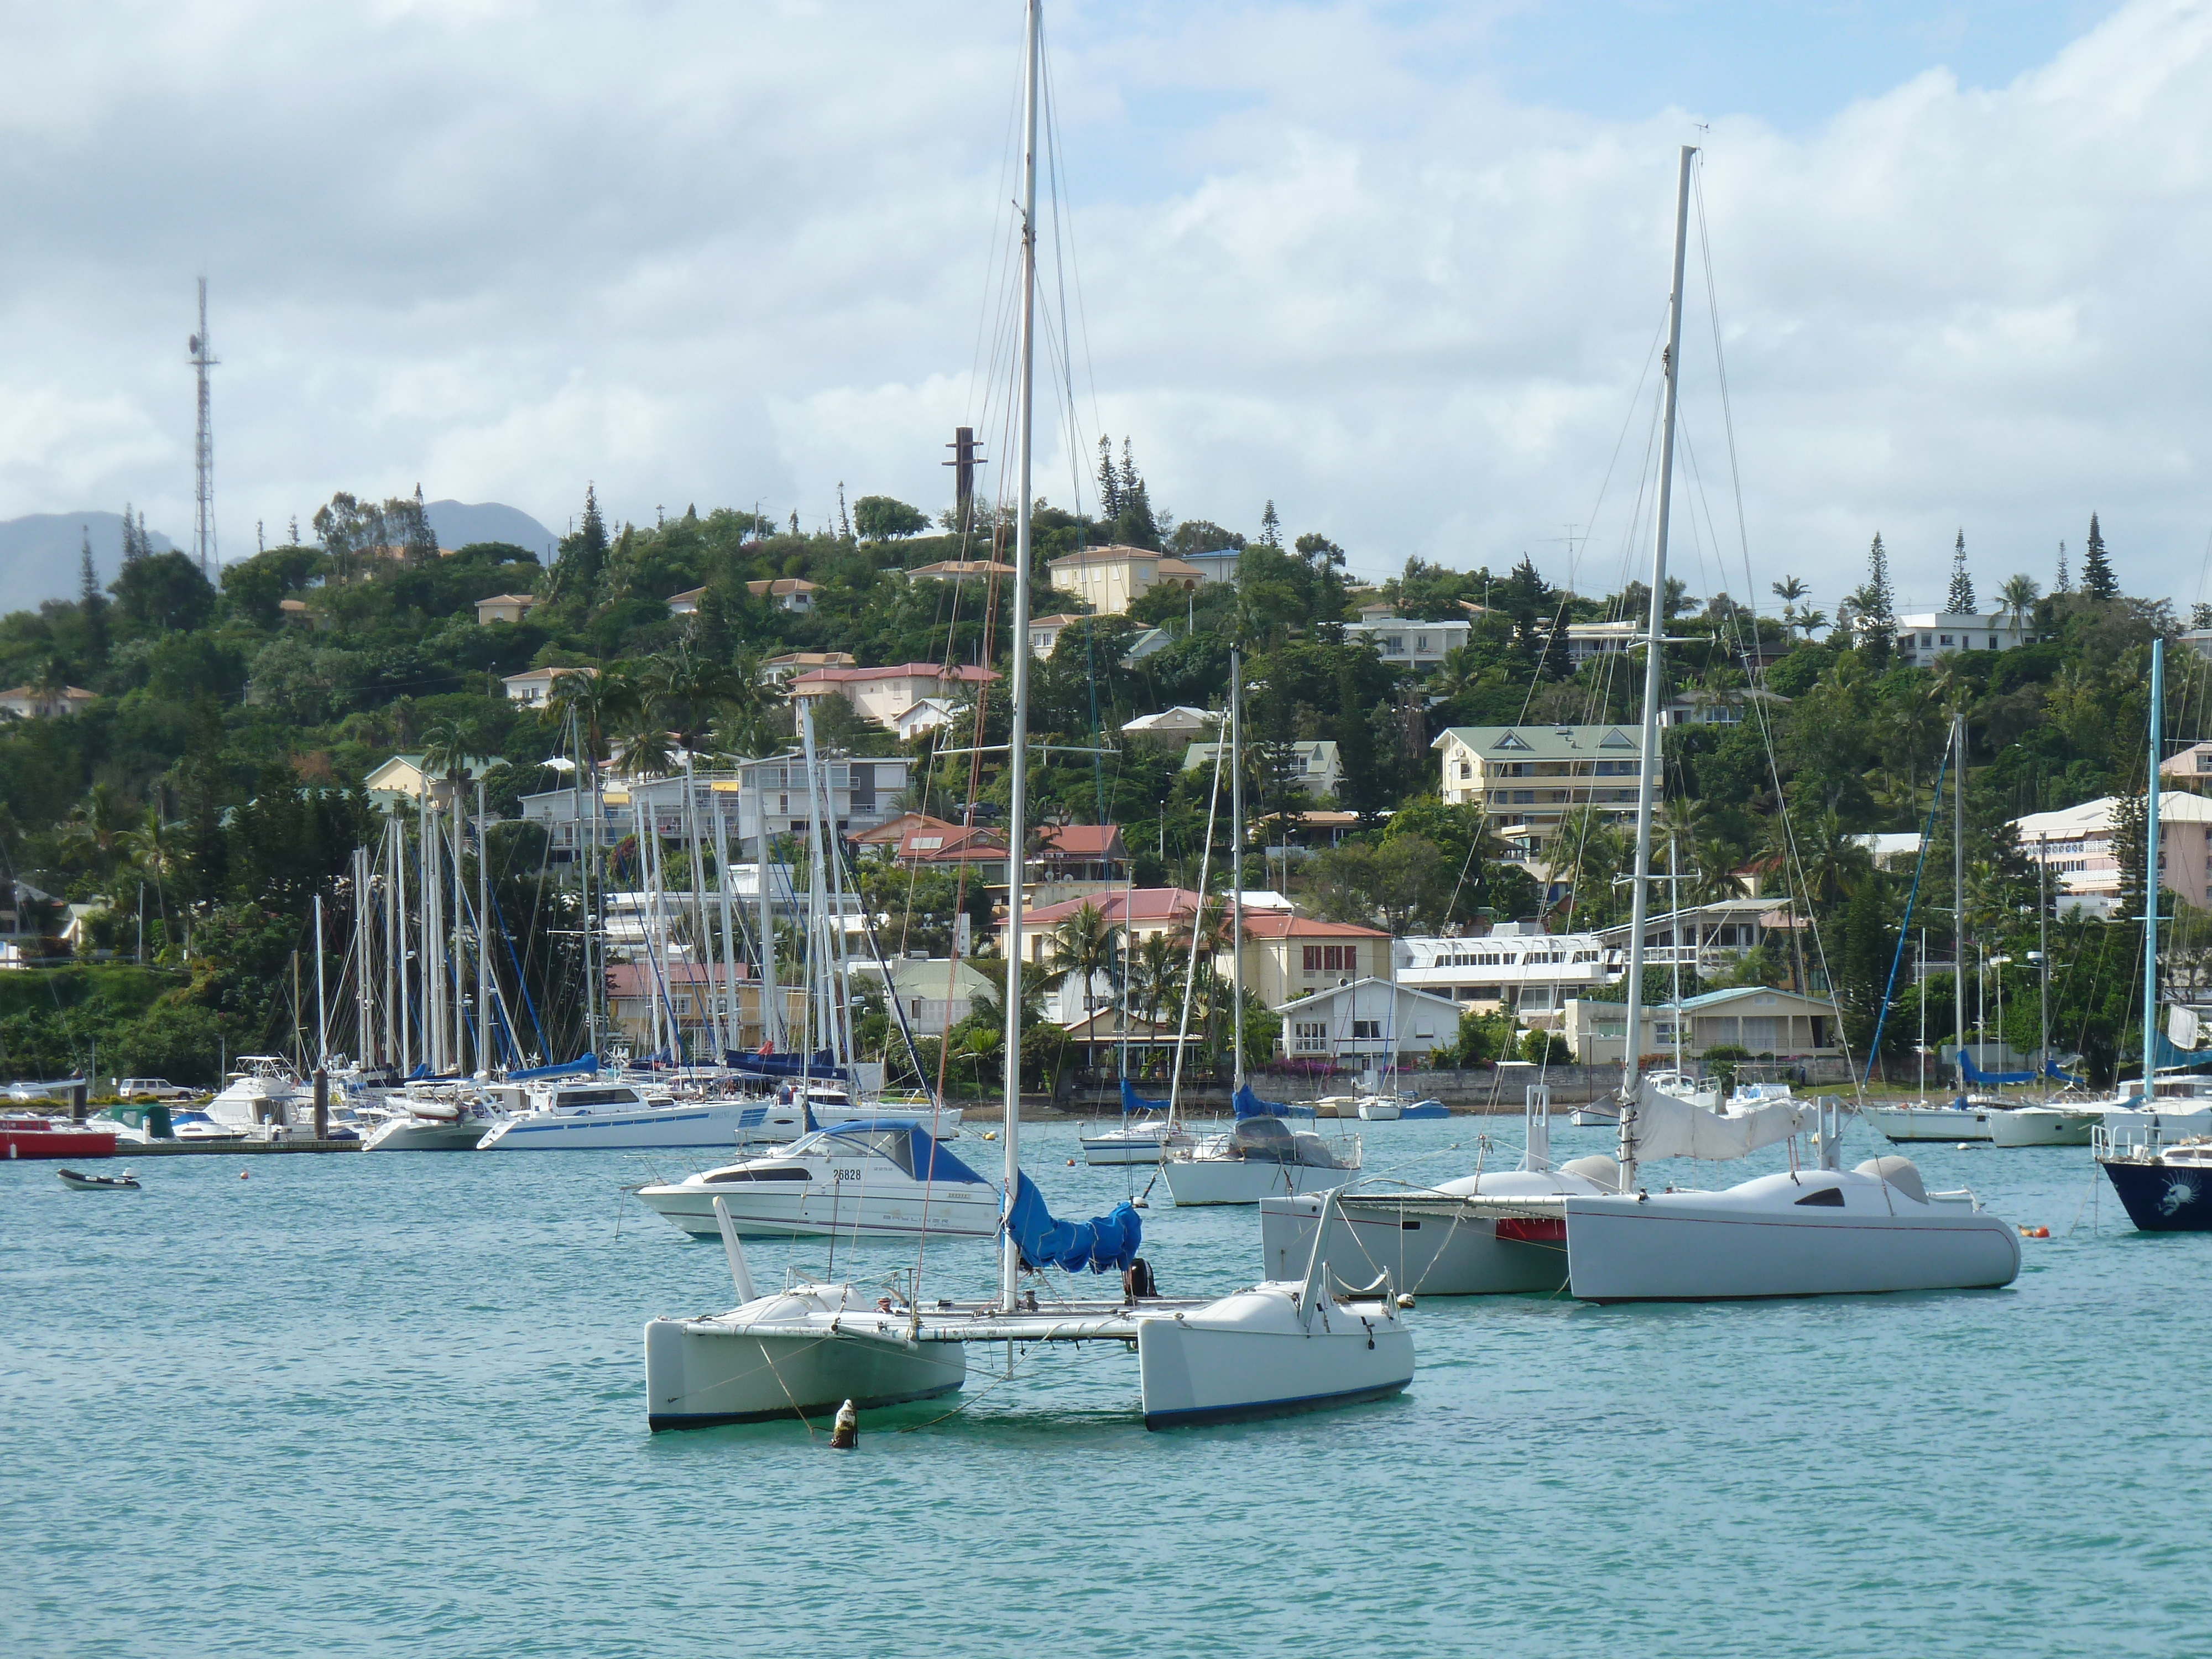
1272 1347
1262 1156
885 1179
1806 1232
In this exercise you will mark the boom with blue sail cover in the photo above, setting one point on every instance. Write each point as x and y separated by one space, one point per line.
1108 1242
1249 1104
1134 1104
582 1065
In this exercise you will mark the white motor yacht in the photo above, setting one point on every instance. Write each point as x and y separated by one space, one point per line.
263 1090
2043 1125
602 1117
1261 1158
1145 1141
432 1120
1950 1121
879 1179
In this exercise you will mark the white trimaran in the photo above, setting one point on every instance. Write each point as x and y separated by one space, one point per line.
1284 1344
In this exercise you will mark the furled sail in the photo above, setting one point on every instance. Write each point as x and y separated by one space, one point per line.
1667 1126
1108 1243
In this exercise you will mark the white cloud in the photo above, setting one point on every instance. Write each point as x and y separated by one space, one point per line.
699 252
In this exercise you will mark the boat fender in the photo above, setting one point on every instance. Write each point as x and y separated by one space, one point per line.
1405 1299
845 1435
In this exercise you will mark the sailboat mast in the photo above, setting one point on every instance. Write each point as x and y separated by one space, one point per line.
2150 873
1959 902
1237 850
322 1004
364 987
1018 740
771 996
1647 759
486 979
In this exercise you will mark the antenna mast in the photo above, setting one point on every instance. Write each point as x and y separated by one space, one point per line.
203 547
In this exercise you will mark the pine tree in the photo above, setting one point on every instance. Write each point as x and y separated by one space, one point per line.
133 549
1270 528
2065 581
2098 581
1109 482
1876 606
94 603
88 573
844 519
1960 601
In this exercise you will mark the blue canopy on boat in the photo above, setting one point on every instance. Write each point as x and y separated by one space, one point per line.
1133 1102
926 1159
1249 1104
822 1065
1975 1074
582 1065
1108 1241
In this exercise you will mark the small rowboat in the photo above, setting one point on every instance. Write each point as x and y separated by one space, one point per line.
125 1183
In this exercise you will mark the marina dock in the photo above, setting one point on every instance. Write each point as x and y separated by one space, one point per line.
228 1148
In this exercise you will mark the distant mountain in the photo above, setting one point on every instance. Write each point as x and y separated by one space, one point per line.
39 555
459 523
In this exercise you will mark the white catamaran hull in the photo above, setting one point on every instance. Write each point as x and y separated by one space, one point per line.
1428 1247
712 1123
1199 1181
1770 1236
1254 1354
807 1361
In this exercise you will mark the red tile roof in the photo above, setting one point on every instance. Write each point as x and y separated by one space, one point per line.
1144 904
1085 841
1278 925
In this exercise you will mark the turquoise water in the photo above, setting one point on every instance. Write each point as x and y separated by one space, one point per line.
395 1404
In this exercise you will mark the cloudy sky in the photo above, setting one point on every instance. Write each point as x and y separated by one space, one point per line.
1399 268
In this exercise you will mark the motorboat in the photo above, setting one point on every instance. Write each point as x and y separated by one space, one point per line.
263 1090
1951 1120
24 1134
199 1126
876 1179
832 1103
428 1119
2043 1125
1261 1158
1810 1232
78 1183
1147 1132
1492 1233
597 1115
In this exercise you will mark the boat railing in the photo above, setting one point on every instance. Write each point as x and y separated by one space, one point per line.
2125 1140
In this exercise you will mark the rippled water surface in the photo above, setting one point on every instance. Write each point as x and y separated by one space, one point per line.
395 1403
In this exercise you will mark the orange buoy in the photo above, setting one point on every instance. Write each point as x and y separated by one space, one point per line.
242 1174
2035 1232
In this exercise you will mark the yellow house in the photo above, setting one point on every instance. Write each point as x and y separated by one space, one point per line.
503 608
1112 579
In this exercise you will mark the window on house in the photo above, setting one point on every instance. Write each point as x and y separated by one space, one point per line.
1946 639
1366 1030
1313 958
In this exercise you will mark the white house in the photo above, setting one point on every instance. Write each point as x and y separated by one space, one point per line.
1316 763
1766 1022
1179 724
1416 644
24 703
887 695
1922 639
533 688
1366 1022
926 715
1698 707
1150 642
1045 632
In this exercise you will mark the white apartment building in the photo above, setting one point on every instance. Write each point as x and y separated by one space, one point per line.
885 695
2074 844
1517 966
533 688
1416 644
862 793
1922 639
1528 778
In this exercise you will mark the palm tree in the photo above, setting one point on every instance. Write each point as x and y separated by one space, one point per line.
2018 593
1156 973
1590 850
94 827
686 688
445 754
1789 590
1085 943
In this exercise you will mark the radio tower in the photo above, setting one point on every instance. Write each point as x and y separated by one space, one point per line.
203 448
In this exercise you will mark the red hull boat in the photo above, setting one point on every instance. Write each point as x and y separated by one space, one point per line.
38 1137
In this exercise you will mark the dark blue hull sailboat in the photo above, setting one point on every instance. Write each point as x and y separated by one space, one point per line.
2171 1193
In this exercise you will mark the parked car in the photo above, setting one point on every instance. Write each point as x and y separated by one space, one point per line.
160 1088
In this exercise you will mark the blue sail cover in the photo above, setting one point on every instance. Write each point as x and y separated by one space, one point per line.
582 1065
1108 1243
1249 1104
822 1065
1976 1074
1133 1102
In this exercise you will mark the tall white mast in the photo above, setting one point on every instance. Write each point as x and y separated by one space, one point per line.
771 999
365 1000
820 994
204 538
1959 901
1647 760
1018 751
